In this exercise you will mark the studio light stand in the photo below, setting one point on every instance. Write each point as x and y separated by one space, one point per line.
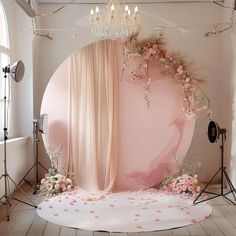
38 125
17 72
214 131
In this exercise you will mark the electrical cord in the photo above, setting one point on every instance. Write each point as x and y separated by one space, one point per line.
57 10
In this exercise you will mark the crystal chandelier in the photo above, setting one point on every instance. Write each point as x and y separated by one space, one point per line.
115 21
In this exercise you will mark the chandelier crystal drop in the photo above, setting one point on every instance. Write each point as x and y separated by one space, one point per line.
115 21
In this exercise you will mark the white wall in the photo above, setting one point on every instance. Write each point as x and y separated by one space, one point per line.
228 85
17 160
20 155
205 53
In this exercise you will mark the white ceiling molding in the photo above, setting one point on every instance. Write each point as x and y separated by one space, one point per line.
124 1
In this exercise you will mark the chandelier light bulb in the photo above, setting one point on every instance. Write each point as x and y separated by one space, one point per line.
114 21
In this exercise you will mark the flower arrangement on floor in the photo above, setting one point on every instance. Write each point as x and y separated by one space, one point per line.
185 181
171 65
183 184
54 183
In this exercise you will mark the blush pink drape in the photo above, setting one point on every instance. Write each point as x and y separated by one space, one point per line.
93 114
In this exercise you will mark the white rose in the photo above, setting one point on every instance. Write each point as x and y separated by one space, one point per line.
58 176
187 80
198 189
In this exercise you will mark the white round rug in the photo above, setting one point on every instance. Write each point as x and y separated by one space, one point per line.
146 210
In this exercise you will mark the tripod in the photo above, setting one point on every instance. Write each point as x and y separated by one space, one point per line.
37 163
6 198
223 173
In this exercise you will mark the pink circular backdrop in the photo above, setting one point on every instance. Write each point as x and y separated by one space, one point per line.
150 140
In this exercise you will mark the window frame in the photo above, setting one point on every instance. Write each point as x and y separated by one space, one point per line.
4 51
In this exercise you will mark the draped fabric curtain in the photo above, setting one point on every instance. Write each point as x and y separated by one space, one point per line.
93 116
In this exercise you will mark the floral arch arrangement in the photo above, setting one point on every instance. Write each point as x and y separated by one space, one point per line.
152 52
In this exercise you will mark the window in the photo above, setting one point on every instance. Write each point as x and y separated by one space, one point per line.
4 61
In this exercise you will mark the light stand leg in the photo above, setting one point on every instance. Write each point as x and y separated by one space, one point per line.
223 173
33 204
232 189
23 179
37 164
6 198
203 191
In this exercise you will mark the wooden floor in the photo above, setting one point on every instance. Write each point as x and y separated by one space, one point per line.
25 221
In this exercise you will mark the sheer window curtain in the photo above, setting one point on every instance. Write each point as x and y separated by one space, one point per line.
93 116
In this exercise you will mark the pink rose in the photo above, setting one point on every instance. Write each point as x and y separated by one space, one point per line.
168 54
183 188
155 47
64 189
151 51
190 181
57 186
190 188
145 50
177 76
158 51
